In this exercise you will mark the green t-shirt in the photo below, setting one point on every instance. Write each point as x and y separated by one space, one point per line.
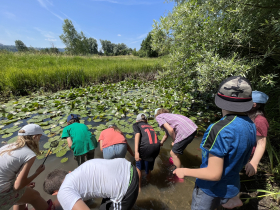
82 139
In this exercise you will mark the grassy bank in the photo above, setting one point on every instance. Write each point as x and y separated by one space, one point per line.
23 73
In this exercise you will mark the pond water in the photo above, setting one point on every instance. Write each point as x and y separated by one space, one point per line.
162 192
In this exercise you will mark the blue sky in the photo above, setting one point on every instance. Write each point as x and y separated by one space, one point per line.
38 23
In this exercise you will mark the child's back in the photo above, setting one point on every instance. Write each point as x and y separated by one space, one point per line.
231 138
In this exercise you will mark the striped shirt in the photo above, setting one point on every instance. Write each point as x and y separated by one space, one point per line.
182 126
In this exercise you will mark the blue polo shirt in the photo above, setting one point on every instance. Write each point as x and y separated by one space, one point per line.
231 138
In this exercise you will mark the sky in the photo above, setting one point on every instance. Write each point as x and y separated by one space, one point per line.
38 23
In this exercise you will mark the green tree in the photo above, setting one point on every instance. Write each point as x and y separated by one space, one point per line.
21 47
93 46
107 47
76 43
146 47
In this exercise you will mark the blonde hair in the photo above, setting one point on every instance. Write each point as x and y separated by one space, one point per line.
160 111
21 142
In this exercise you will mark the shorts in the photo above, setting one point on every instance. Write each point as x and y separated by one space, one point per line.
145 165
178 148
129 198
115 151
202 201
82 158
10 198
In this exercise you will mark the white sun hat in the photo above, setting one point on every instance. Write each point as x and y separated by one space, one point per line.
32 129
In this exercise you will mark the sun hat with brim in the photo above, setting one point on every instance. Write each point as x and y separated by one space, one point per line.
72 116
157 110
235 94
139 117
259 97
31 129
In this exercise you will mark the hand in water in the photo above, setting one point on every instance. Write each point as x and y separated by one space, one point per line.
179 172
40 169
251 169
137 158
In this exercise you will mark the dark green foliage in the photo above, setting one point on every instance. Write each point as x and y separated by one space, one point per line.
21 47
110 48
146 48
93 46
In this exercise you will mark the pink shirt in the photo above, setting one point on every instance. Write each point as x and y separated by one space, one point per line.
110 137
261 125
182 126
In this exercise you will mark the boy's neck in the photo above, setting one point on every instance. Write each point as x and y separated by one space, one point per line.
226 112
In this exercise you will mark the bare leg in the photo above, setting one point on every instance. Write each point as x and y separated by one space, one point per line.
32 197
140 176
176 160
19 207
233 202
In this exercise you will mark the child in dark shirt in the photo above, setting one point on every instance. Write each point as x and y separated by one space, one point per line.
147 146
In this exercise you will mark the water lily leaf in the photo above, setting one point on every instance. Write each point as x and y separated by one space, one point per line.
39 157
47 145
57 128
61 153
82 121
128 136
89 119
7 135
12 140
97 120
63 160
193 118
57 149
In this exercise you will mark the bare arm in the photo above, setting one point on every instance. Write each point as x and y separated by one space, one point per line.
22 180
129 149
101 145
80 205
69 141
136 147
251 167
169 130
213 172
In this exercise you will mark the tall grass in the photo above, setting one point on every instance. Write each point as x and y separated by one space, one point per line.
21 73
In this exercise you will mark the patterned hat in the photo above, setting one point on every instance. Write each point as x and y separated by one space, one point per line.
234 94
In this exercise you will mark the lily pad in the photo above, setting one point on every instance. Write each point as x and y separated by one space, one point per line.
12 140
47 145
39 157
63 160
61 153
7 135
97 120
128 136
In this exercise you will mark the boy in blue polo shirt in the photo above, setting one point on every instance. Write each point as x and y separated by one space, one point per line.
79 139
226 147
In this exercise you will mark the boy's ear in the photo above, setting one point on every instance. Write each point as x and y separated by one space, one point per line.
55 192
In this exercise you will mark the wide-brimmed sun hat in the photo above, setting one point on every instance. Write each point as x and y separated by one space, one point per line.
235 94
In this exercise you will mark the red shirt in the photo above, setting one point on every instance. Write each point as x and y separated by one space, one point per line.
261 125
110 137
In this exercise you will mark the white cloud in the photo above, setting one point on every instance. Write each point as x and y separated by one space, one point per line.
9 15
119 35
130 2
51 40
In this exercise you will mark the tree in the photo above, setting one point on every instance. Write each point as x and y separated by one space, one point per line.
146 47
75 43
21 47
107 47
93 46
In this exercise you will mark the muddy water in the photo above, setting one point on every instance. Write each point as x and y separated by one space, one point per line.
162 192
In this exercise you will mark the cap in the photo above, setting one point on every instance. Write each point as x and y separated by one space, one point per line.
234 94
156 110
139 117
259 97
72 116
31 129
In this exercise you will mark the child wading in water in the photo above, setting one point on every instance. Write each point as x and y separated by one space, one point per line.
116 181
16 160
79 139
180 128
226 147
147 146
113 143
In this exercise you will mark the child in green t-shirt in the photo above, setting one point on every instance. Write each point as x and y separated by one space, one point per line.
79 139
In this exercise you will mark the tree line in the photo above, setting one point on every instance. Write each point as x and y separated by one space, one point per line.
78 44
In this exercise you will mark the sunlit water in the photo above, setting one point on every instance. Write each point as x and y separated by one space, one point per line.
162 192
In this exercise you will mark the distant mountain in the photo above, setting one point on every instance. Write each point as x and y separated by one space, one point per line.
14 49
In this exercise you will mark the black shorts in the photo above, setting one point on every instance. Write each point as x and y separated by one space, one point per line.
179 147
129 198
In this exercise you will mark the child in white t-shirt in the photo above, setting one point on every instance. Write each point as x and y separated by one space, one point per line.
116 181
16 160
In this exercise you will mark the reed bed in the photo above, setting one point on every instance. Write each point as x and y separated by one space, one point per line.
22 73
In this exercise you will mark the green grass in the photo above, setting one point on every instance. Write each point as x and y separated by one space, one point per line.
23 73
